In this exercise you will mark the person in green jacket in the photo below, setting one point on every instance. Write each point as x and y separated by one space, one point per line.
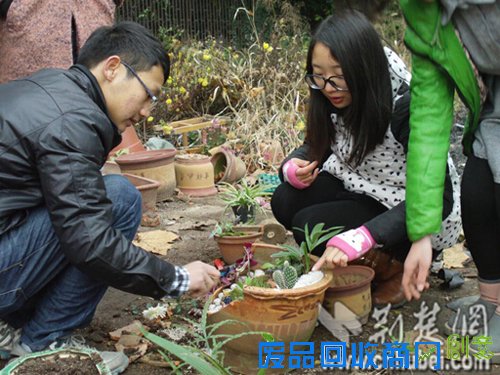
455 47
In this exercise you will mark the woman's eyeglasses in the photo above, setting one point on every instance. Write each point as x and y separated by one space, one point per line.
318 82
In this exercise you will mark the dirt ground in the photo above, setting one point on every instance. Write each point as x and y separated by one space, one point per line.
193 221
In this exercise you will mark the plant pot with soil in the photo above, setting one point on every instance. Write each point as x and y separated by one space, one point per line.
82 361
243 199
232 240
282 299
350 287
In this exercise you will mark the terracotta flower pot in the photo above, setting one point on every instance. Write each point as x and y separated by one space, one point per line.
351 287
232 247
262 253
130 140
227 166
195 175
148 189
289 315
74 357
156 165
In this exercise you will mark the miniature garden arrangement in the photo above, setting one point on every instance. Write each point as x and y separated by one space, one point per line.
283 296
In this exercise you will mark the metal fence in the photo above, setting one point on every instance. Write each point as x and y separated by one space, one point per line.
196 19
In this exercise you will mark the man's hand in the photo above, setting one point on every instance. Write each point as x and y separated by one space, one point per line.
307 171
416 268
202 278
332 257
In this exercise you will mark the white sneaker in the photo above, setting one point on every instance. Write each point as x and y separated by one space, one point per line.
117 362
10 341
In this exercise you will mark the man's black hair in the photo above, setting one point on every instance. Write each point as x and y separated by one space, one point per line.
132 42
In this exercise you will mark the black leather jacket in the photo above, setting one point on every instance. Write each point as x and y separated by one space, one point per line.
55 136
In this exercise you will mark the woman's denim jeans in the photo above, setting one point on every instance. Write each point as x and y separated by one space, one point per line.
39 290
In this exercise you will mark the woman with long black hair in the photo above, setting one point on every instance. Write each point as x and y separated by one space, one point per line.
351 169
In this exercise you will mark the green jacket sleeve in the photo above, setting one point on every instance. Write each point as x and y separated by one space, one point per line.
431 119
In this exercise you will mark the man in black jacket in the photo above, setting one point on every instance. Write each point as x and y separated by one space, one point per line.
66 231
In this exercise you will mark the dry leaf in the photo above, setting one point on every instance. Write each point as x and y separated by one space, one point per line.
156 241
454 257
133 346
134 327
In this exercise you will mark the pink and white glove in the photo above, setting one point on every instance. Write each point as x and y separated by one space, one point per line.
353 243
289 173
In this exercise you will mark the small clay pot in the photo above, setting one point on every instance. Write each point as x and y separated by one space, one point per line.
195 175
148 189
227 166
156 165
232 248
351 287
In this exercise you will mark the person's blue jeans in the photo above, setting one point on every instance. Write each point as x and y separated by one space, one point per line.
39 290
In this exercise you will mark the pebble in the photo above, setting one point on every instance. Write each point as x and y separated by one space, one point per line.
308 279
259 273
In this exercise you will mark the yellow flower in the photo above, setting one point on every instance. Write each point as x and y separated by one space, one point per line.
300 126
169 80
200 80
182 90
167 129
204 83
270 49
168 101
265 46
206 57
150 119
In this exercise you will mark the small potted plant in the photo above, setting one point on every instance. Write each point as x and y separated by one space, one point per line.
232 240
282 298
243 199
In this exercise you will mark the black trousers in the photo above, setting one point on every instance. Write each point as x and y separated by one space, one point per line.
326 201
480 201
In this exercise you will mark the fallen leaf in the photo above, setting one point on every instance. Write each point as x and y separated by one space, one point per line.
134 328
133 346
156 241
454 257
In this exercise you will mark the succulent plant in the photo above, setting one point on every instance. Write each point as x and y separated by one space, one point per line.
287 277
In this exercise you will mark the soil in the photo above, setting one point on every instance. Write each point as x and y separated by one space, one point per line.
193 220
60 364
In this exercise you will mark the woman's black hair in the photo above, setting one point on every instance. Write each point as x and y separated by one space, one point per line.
355 44
132 42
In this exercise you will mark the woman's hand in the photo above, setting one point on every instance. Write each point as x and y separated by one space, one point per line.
416 268
332 257
307 171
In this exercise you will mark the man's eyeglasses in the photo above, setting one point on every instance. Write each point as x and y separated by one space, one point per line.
318 82
153 97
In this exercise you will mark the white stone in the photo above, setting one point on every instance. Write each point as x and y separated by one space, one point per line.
259 273
308 279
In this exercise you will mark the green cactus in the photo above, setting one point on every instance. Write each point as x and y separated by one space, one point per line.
287 277
279 279
290 275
